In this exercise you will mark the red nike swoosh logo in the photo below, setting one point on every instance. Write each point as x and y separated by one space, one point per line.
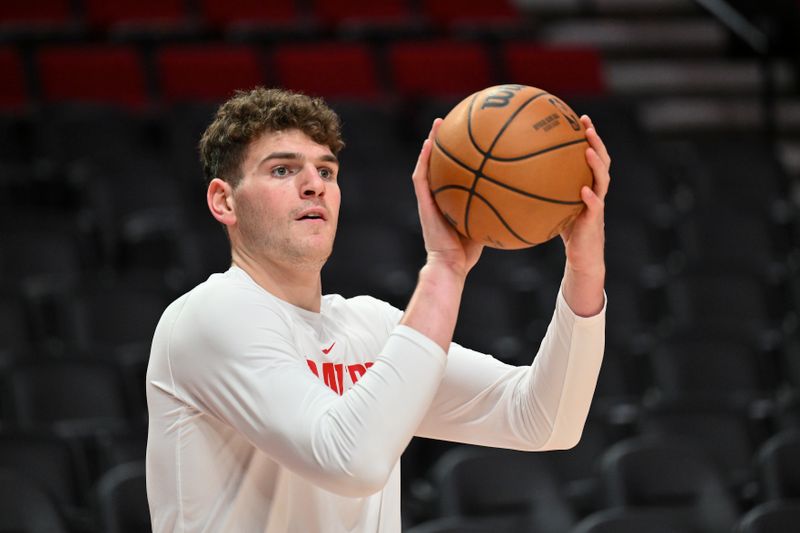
326 352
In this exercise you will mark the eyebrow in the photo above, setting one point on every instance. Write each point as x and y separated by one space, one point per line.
330 158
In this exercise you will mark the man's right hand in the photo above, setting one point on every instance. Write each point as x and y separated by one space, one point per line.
433 307
444 245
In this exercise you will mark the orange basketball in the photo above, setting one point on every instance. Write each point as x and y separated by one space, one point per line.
508 165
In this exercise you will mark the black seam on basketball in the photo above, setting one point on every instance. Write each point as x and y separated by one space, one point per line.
502 220
540 152
488 153
495 211
448 187
510 119
469 126
498 183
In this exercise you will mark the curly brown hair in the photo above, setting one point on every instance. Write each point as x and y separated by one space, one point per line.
248 114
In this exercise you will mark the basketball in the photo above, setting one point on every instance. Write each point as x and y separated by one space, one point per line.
507 166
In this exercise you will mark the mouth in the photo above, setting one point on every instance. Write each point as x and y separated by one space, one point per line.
313 214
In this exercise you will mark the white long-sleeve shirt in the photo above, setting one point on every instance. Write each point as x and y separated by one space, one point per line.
268 418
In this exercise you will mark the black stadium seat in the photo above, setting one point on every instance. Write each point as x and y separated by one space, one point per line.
621 520
779 465
725 432
771 517
25 507
56 465
487 483
671 478
710 367
122 499
72 397
469 525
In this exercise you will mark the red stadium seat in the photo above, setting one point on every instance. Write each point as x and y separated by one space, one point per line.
34 12
561 71
13 94
370 12
160 13
331 70
226 13
441 69
478 12
207 73
99 74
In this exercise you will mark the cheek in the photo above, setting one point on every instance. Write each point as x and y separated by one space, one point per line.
244 208
334 197
254 207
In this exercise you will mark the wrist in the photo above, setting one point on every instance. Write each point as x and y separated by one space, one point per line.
593 272
583 290
433 307
439 266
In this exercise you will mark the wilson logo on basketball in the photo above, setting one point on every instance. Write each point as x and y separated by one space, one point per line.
502 96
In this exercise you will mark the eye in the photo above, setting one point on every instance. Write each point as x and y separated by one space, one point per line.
280 171
326 173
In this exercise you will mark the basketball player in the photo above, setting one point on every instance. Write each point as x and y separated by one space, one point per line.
276 409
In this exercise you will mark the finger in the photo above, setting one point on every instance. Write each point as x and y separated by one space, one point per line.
420 174
593 202
602 178
566 232
424 155
435 127
597 143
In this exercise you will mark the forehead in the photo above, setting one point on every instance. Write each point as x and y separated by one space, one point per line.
293 141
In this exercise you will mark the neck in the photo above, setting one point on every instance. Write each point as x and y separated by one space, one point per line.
298 286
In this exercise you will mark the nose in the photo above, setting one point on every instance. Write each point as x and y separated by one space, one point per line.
311 184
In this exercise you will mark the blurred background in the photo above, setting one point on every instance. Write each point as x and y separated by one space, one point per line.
696 421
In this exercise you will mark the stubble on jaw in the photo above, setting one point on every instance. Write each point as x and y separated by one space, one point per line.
264 243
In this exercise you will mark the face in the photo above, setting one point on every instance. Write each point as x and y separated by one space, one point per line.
287 203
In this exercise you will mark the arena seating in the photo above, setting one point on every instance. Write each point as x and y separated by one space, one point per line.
695 421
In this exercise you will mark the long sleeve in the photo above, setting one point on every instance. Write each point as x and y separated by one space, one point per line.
539 407
239 364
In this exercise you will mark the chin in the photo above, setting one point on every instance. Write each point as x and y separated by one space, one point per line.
312 257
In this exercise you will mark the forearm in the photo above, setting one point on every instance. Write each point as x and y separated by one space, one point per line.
357 438
433 308
564 373
484 401
259 386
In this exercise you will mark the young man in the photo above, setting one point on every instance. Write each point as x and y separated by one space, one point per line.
276 409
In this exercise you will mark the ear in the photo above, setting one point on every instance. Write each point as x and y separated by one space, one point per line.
219 197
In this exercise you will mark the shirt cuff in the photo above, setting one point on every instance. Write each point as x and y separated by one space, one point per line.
563 308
